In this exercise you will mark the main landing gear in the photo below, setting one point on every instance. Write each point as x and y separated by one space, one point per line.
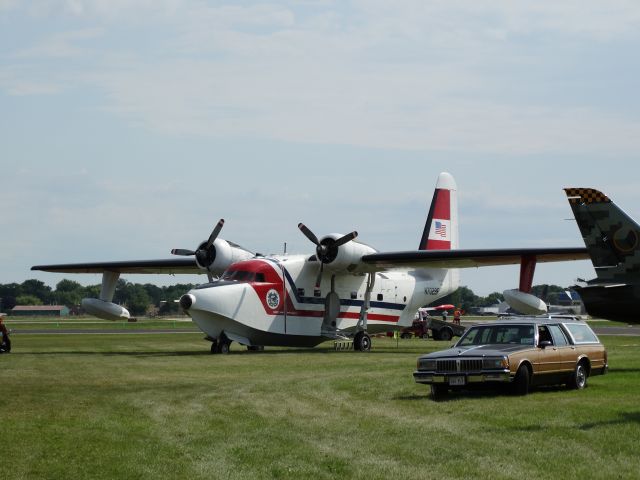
223 345
362 342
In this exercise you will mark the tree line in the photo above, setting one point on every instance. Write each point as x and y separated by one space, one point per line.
140 298
137 298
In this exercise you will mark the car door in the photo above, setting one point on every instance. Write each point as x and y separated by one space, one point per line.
567 354
548 356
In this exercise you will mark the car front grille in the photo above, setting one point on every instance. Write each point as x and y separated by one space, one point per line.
459 365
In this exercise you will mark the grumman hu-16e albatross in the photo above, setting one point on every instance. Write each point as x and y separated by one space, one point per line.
345 290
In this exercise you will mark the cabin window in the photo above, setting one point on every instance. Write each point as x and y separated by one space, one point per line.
260 277
301 292
380 296
316 292
354 295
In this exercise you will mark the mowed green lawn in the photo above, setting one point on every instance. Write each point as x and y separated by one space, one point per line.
160 406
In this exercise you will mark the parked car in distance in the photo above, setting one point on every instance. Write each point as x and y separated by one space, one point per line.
519 352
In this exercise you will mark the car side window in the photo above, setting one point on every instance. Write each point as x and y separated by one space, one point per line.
559 338
544 335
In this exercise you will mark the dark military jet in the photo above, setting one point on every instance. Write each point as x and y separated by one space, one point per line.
613 242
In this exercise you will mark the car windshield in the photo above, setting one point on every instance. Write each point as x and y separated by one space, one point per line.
498 334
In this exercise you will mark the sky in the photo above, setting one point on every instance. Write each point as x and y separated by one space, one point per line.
129 127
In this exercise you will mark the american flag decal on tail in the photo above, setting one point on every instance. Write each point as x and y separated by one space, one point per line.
441 229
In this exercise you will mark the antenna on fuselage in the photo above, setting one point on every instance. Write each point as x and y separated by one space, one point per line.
285 248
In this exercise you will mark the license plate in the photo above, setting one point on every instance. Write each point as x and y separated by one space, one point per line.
456 381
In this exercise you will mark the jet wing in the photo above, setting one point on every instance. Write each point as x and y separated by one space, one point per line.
469 258
170 265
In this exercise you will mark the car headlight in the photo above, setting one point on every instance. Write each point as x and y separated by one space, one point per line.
426 364
497 362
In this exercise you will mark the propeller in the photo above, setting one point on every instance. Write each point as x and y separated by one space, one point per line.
205 254
327 249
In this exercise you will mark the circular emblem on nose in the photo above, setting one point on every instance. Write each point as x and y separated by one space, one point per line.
273 298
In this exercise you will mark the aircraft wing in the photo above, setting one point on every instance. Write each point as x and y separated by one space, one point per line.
170 265
469 258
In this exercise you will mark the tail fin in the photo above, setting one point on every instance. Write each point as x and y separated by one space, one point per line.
610 235
441 230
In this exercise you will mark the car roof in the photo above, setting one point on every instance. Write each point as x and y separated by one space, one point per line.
531 320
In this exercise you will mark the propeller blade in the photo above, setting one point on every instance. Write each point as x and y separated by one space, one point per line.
215 233
182 251
347 238
308 233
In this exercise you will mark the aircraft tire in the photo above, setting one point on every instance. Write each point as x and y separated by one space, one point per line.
362 342
214 347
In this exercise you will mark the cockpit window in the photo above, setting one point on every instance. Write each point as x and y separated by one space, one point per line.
239 276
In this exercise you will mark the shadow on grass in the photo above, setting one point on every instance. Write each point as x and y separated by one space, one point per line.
122 353
623 419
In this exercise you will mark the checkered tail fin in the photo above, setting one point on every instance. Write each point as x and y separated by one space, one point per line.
611 236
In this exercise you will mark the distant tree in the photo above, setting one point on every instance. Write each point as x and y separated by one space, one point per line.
491 299
463 297
28 300
139 300
36 288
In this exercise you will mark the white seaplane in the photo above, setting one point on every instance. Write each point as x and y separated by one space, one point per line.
346 290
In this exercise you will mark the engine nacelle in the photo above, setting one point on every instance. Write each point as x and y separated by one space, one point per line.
103 309
345 257
221 255
524 303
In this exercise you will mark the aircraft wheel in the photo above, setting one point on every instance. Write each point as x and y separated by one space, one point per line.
214 347
255 348
224 344
362 342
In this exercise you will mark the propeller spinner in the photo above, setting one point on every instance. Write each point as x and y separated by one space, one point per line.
327 249
205 253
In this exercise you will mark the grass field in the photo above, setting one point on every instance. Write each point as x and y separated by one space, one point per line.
160 406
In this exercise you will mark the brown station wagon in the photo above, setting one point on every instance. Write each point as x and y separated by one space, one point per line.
519 352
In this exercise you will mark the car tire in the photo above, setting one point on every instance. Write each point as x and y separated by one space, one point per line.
425 336
438 391
522 381
579 378
445 334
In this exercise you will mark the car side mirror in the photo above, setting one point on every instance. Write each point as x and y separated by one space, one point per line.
544 344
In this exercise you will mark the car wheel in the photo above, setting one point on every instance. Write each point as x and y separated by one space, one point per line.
579 377
521 382
425 336
438 391
446 334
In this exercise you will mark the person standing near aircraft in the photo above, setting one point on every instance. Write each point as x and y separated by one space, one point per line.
444 315
456 316
5 342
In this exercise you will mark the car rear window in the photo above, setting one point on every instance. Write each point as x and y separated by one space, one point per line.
581 333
